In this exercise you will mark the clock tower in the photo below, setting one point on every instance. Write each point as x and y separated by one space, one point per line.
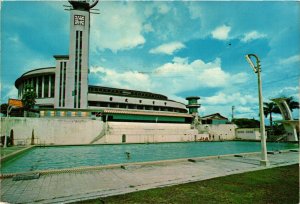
72 78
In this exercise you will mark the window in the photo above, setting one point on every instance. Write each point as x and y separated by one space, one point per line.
34 85
140 101
46 86
122 105
40 82
111 98
126 100
52 86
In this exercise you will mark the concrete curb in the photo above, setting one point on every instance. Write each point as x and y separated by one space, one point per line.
13 154
124 165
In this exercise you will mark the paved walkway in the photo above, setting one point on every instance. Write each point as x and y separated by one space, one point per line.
70 187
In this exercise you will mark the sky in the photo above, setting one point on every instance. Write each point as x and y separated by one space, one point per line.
175 48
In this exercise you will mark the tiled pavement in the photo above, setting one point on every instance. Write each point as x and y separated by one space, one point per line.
70 187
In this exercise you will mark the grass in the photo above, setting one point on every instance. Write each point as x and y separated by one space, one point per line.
277 185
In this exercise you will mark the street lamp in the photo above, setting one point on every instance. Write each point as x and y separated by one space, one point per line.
264 159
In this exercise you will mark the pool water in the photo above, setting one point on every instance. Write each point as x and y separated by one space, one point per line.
59 157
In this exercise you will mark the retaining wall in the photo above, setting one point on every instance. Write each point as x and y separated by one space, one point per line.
77 131
125 132
58 131
219 132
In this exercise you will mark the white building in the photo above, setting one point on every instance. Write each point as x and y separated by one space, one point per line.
248 133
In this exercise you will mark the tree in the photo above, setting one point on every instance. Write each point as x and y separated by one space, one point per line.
270 108
292 103
28 99
3 108
246 123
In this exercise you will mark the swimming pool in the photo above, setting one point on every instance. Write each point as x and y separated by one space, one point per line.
60 157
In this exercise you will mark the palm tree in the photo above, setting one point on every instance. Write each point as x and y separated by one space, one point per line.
270 108
292 103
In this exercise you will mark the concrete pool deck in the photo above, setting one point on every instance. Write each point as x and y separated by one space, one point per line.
83 185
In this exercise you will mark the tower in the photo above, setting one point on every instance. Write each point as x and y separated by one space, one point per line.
74 82
193 106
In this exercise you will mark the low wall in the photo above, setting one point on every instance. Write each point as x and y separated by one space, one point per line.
77 131
124 132
248 133
219 132
57 131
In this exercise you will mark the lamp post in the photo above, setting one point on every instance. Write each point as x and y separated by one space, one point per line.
264 159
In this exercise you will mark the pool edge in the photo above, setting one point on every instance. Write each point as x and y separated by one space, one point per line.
13 154
120 165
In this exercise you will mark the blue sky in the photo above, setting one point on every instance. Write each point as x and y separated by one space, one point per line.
170 47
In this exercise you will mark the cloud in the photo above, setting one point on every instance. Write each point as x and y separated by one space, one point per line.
172 78
168 48
127 80
148 28
290 60
287 92
10 92
119 27
221 33
253 35
234 98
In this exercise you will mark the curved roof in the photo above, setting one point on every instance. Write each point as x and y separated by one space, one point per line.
156 113
35 72
125 92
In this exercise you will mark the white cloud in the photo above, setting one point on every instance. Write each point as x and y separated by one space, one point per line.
172 78
243 109
287 92
10 92
148 28
128 80
290 60
119 27
168 48
221 33
234 98
253 35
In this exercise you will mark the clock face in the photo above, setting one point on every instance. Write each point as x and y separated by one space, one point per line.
79 20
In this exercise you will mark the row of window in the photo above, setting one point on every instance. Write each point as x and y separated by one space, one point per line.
62 84
134 106
140 101
130 93
43 86
78 60
240 131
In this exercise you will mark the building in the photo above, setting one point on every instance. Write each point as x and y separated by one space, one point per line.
214 119
63 90
248 133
